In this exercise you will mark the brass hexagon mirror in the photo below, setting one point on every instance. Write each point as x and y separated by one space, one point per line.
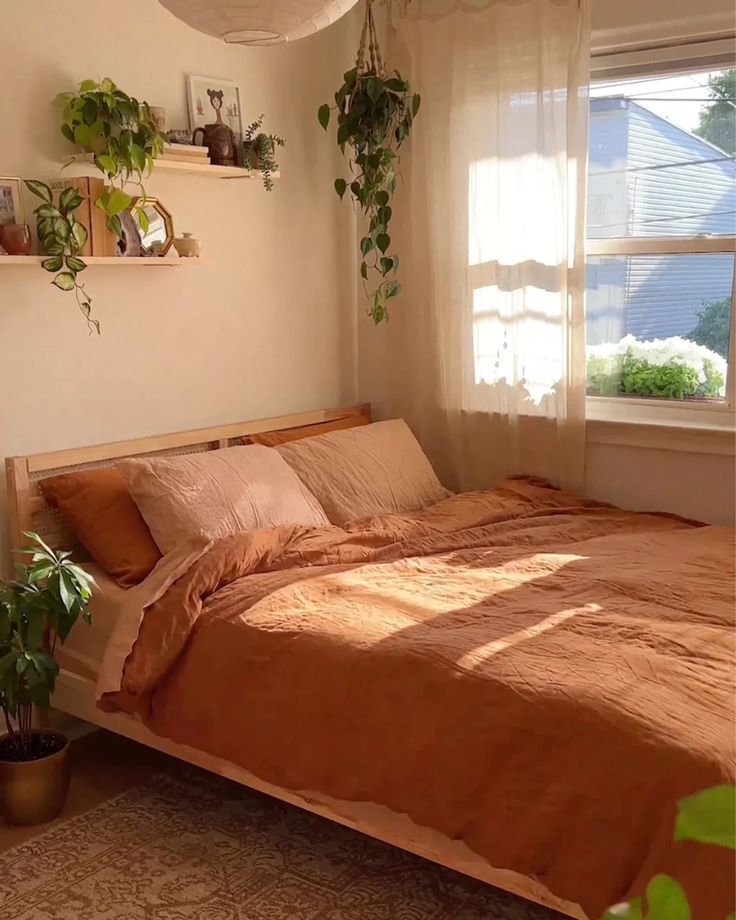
159 235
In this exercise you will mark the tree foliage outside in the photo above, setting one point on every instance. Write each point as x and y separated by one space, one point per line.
717 122
714 322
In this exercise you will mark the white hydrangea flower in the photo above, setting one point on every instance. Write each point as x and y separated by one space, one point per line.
606 358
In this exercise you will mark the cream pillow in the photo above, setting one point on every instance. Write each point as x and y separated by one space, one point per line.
364 472
217 493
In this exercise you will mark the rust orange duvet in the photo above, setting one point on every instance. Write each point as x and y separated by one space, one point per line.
535 674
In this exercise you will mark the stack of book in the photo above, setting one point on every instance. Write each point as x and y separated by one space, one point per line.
185 153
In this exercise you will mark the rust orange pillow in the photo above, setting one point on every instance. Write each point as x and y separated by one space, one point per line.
274 438
98 508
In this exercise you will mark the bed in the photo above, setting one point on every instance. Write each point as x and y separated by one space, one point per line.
563 577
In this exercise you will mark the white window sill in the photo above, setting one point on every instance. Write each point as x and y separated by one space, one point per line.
662 425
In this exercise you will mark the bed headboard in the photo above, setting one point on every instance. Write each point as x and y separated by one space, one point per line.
30 511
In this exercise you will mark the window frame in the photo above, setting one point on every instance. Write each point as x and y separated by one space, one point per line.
694 414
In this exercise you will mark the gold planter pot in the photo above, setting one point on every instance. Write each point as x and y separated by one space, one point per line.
34 791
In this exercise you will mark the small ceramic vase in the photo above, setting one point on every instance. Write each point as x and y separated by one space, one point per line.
158 114
187 246
16 239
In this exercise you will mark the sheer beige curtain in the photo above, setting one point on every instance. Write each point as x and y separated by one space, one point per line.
484 354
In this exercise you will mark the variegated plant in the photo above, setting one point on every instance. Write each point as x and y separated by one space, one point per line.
62 237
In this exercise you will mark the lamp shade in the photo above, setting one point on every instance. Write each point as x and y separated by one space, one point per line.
258 22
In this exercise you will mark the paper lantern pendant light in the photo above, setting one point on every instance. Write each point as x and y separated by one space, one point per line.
258 22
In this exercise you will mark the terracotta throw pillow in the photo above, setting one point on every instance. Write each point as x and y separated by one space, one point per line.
274 438
98 509
365 472
216 493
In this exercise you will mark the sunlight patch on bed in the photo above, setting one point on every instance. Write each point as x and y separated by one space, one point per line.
477 656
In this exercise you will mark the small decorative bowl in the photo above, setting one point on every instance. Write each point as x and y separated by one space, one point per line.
187 246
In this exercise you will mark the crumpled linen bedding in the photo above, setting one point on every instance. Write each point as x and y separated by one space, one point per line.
533 673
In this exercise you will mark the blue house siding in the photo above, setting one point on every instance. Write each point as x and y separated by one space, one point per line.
663 196
653 296
608 200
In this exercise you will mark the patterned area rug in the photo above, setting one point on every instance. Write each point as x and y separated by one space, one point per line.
196 847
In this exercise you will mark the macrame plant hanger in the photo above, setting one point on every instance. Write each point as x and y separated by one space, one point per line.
372 62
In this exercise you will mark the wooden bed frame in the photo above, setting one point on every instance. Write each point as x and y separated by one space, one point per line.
75 693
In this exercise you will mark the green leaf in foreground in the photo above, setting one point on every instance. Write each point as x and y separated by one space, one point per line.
53 264
118 201
106 164
69 200
708 816
64 281
39 188
74 264
143 222
666 900
79 234
323 114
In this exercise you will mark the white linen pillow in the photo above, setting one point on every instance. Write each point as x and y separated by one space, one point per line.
364 472
215 493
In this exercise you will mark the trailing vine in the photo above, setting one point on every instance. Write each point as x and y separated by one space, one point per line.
375 113
259 151
62 238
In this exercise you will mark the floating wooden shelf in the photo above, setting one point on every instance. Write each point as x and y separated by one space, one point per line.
118 261
206 170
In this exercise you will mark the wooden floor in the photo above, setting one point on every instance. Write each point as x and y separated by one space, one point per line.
103 765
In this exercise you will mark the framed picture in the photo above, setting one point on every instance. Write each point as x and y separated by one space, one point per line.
11 202
211 100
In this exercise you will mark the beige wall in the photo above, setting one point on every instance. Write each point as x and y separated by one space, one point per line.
695 485
265 326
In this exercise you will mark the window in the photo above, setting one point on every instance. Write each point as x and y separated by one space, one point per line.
660 242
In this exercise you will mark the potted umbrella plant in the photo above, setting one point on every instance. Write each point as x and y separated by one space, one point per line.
37 609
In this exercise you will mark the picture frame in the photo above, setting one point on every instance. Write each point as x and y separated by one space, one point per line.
203 96
11 201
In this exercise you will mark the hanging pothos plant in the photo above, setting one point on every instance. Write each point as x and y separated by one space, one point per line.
375 112
121 134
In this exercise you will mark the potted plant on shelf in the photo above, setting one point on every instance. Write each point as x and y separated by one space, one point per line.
121 135
259 151
37 609
120 132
